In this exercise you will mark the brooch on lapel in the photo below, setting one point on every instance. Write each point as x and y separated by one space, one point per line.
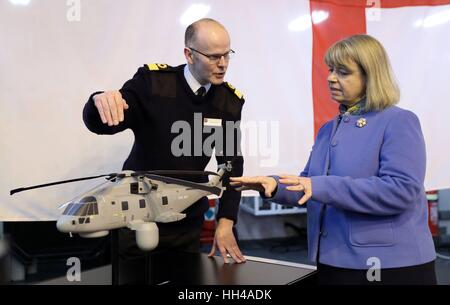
361 122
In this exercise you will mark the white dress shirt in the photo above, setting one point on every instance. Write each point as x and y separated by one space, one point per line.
192 82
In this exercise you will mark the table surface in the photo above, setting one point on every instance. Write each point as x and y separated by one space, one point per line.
181 268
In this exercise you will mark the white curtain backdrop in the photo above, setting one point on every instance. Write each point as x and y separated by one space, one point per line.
53 58
418 42
54 54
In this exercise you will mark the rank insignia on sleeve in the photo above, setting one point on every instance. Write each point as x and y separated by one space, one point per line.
157 67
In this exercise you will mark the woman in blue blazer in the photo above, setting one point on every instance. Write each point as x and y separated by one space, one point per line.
363 182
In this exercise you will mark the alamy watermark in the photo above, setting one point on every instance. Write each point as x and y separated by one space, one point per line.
373 13
74 11
374 272
74 272
228 138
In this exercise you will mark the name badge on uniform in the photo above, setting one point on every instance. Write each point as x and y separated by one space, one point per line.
212 122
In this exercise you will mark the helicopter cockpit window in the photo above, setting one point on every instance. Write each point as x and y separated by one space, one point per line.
85 207
90 209
76 209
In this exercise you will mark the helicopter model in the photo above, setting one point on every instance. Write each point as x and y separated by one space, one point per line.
136 200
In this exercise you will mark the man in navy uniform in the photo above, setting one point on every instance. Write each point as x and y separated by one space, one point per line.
157 97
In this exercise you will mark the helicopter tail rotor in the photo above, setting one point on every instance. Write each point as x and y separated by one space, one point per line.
224 171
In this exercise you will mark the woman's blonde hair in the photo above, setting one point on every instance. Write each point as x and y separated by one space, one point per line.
381 88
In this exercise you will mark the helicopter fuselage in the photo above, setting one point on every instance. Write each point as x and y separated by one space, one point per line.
115 204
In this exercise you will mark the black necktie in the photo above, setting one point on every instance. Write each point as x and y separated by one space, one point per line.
201 92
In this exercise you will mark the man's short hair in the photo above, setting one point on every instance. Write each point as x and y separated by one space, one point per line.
191 30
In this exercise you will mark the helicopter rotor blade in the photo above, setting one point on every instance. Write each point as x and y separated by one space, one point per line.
194 185
62 206
178 172
12 192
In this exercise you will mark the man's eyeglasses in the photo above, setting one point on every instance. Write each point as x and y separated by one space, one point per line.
215 58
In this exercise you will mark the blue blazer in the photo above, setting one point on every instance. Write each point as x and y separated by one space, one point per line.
368 198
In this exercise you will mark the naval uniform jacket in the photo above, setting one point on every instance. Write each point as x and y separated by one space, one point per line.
158 97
